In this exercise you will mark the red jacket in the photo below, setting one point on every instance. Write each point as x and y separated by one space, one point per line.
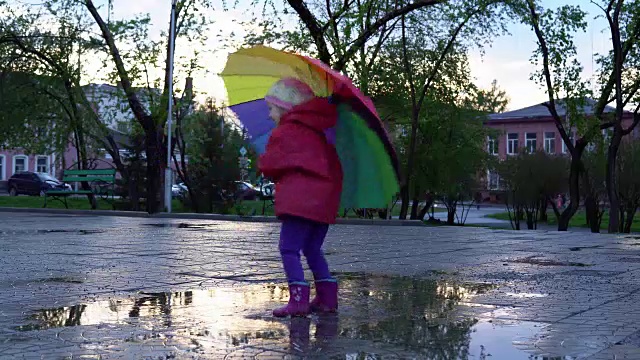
305 168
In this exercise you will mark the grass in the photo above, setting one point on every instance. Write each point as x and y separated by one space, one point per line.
255 207
75 203
81 203
578 220
37 202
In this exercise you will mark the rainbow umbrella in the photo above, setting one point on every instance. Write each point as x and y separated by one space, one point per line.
369 161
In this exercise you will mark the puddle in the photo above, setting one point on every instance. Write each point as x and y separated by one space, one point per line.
182 226
526 295
54 231
534 260
61 280
579 248
380 317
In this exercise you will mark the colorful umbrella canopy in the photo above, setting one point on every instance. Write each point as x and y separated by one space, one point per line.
369 161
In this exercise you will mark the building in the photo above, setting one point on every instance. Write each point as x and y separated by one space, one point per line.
113 110
533 128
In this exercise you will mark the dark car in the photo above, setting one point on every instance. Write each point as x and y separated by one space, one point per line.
246 191
37 184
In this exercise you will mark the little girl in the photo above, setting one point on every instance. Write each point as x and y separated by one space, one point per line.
308 177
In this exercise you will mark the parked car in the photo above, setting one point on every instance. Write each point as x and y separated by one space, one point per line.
268 190
36 184
178 189
246 191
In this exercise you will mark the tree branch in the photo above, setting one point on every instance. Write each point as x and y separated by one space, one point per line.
371 30
445 52
384 35
337 15
618 59
636 120
633 38
134 102
315 30
333 23
407 64
551 105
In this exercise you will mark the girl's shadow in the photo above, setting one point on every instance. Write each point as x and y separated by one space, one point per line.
299 333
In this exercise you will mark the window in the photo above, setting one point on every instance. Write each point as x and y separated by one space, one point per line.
493 180
530 142
550 142
564 146
123 127
512 143
2 167
492 145
20 163
42 164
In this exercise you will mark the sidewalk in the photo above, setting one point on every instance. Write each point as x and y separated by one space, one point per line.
479 217
122 288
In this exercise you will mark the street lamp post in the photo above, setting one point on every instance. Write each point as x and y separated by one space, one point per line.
168 174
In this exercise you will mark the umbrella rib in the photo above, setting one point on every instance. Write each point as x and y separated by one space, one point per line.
245 102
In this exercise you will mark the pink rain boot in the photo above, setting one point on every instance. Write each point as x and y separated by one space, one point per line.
298 302
326 300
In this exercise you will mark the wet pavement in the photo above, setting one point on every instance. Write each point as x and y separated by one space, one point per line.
91 287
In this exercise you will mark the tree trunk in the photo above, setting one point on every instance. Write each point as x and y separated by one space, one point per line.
530 220
592 211
622 217
414 207
134 196
425 210
404 197
544 217
516 218
574 190
404 191
154 170
415 203
612 182
630 215
451 215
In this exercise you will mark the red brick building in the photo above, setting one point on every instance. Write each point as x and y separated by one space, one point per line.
533 128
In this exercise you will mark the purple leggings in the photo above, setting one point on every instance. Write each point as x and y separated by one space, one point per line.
298 235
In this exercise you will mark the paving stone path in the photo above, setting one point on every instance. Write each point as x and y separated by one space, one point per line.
127 288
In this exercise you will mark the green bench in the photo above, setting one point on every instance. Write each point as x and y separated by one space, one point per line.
101 181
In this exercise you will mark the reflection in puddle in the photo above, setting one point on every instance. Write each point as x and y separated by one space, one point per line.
380 317
524 295
182 225
52 231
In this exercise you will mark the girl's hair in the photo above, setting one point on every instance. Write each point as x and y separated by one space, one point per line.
289 92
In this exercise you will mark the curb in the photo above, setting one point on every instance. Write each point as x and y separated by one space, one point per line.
194 216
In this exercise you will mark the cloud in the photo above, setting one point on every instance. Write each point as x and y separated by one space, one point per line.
512 76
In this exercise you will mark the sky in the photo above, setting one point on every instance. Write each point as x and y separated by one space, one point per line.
505 60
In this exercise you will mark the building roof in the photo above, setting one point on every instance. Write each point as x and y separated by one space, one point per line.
541 111
123 140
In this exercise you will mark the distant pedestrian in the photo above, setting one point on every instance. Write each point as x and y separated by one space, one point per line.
308 176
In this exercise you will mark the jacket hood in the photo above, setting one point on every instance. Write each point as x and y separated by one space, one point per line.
317 113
